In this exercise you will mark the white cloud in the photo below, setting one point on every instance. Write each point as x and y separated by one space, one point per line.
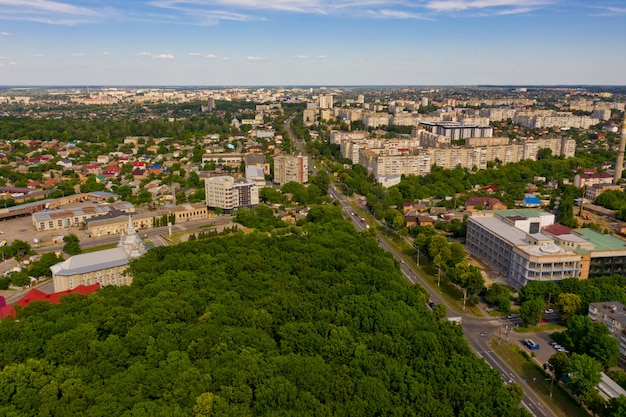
5 34
610 11
106 53
255 58
163 56
195 54
396 14
210 56
78 54
462 5
303 56
143 54
48 11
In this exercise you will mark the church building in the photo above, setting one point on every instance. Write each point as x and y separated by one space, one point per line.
106 267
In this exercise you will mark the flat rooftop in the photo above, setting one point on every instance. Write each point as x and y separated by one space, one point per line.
601 241
520 213
507 232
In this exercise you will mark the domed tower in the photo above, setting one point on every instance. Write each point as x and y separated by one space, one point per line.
131 242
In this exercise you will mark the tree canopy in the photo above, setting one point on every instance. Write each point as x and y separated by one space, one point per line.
314 325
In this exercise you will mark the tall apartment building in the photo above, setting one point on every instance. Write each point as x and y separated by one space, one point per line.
288 168
230 193
455 130
390 159
325 101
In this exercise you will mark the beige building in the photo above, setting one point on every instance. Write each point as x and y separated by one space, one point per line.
291 168
76 216
230 193
107 226
106 267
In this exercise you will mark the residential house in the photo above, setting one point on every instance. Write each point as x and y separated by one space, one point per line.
485 203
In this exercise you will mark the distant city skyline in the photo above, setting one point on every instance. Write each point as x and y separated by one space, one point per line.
312 42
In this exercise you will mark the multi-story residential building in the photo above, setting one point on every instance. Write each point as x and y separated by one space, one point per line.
592 192
325 101
587 180
613 315
230 193
105 267
291 168
390 159
455 130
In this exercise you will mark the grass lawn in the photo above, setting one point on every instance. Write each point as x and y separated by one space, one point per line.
99 248
541 328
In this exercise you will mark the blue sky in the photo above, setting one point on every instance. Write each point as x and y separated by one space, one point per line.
312 42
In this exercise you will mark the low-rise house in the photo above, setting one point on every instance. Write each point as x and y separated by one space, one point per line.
485 203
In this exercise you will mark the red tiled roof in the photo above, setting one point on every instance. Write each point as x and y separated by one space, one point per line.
36 295
557 229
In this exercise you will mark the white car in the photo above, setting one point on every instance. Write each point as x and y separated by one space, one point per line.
549 311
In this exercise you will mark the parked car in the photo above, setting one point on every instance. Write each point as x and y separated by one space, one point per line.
511 316
530 344
549 311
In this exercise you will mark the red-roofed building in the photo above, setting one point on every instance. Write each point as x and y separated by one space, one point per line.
582 180
112 171
36 295
92 169
557 229
490 188
49 183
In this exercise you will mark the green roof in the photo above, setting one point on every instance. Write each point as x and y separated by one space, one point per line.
519 212
601 241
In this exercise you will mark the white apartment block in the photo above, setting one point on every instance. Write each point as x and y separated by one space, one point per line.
496 114
230 193
390 158
291 168
337 136
325 101
548 118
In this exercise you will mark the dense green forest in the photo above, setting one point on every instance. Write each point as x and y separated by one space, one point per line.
321 324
